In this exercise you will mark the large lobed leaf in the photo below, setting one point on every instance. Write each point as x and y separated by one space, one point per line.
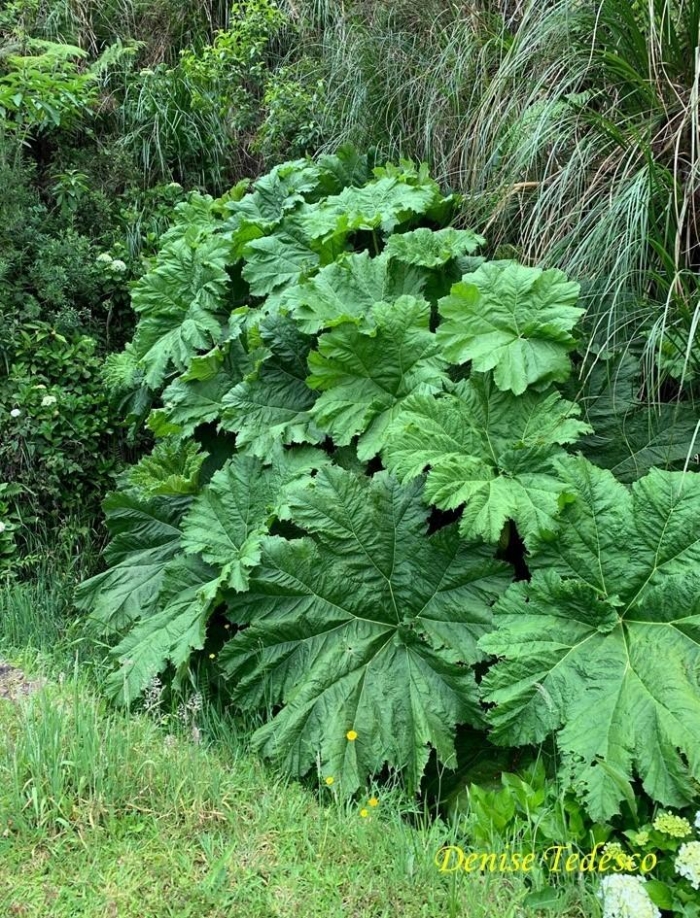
488 450
514 320
182 305
189 595
272 405
145 537
432 248
366 624
347 290
365 377
228 520
610 624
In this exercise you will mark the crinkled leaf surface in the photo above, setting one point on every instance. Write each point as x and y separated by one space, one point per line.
181 303
272 405
276 261
632 443
277 193
367 624
145 537
189 402
602 647
364 378
346 290
228 520
432 248
488 449
514 320
169 635
380 204
173 468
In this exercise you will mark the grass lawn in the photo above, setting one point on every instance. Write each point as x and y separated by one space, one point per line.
106 814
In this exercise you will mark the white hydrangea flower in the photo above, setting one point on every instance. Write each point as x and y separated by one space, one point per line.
48 400
176 186
104 258
624 896
688 862
697 820
118 265
15 413
3 527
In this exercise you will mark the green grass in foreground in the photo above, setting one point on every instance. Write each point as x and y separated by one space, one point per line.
107 814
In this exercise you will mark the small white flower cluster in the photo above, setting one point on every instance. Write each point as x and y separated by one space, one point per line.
113 264
688 862
151 697
48 400
15 413
624 896
189 710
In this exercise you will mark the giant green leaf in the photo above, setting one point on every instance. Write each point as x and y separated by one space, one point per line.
228 520
271 406
277 193
602 647
346 291
633 442
181 302
169 635
364 378
487 449
173 468
145 537
382 204
514 320
365 625
189 402
276 261
432 248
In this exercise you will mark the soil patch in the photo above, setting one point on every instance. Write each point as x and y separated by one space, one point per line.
14 684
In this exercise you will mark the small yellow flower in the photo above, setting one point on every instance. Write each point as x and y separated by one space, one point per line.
373 801
330 780
212 656
351 735
364 813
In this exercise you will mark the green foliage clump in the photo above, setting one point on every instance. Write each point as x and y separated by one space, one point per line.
56 426
325 357
225 107
46 89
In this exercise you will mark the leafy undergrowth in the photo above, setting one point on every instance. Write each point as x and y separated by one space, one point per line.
106 814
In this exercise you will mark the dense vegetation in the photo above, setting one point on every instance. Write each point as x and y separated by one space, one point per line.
373 329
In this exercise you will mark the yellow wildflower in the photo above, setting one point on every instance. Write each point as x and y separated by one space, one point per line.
373 801
212 656
329 780
675 826
351 735
364 813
